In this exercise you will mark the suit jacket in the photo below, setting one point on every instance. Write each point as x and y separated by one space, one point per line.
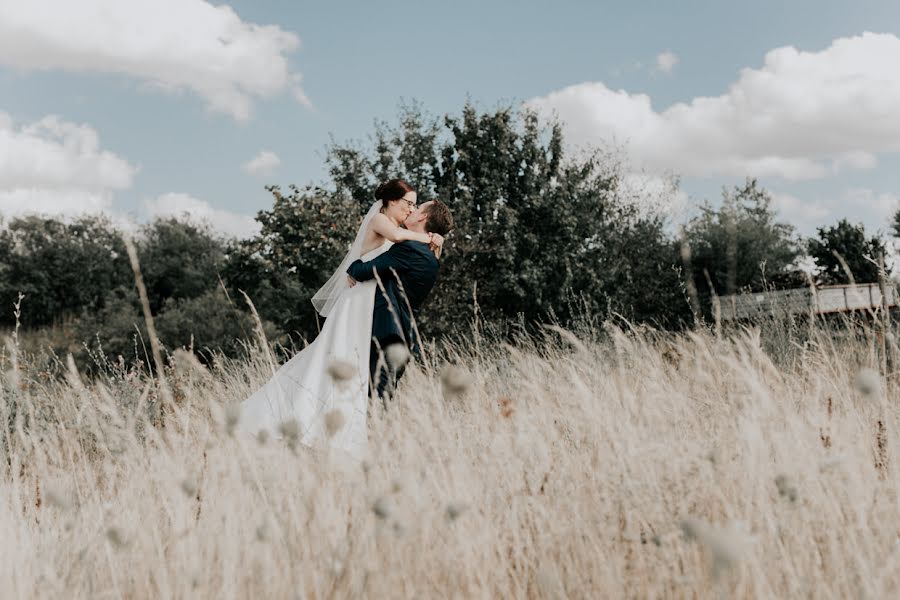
411 265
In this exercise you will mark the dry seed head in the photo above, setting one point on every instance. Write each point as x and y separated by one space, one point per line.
189 486
341 370
337 567
262 437
289 429
831 462
58 498
396 355
232 417
116 537
455 380
382 508
727 545
691 528
186 361
867 382
334 421
786 488
454 509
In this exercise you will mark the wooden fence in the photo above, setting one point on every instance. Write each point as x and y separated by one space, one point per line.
825 299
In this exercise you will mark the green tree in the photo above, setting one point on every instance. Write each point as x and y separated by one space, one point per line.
62 268
860 253
741 245
208 323
302 239
895 224
179 260
533 232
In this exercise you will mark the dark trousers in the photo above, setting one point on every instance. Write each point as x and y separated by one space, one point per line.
381 374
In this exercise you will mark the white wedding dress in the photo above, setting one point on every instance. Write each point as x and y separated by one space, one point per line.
303 390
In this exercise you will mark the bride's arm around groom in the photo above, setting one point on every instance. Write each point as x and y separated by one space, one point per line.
406 272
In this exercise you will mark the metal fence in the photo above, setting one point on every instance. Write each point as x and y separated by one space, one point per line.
825 299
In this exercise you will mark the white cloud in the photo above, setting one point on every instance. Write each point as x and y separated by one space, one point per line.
666 61
170 44
58 168
879 207
805 215
262 164
181 205
655 195
872 208
22 201
53 166
802 115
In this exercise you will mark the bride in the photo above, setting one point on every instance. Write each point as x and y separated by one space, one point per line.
303 388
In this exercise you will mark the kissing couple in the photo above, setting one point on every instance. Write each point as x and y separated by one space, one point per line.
370 305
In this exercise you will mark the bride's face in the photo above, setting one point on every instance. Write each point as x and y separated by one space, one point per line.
398 210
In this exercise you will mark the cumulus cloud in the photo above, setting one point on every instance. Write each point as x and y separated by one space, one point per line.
182 206
666 61
262 164
53 166
802 115
170 44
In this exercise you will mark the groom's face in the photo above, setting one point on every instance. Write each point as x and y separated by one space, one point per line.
418 215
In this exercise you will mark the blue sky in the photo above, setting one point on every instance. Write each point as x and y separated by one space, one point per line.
160 142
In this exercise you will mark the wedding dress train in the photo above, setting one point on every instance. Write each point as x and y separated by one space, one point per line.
302 388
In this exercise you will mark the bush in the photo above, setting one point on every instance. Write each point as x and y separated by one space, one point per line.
62 268
208 323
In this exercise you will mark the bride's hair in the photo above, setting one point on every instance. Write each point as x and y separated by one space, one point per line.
393 189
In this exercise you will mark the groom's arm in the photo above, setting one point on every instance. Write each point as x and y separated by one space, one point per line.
385 264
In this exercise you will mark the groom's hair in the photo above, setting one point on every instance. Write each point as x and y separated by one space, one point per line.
439 221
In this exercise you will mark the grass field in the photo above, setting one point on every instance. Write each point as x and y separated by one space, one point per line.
619 464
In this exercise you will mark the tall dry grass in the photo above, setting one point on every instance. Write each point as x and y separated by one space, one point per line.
623 464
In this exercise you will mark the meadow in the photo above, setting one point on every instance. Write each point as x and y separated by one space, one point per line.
605 462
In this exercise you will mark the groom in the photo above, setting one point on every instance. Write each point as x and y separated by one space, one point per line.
407 272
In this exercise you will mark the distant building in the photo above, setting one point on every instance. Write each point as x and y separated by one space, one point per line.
824 300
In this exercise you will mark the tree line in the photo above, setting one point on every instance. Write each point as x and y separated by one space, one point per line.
540 236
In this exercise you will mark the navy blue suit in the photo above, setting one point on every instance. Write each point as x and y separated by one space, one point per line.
407 271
